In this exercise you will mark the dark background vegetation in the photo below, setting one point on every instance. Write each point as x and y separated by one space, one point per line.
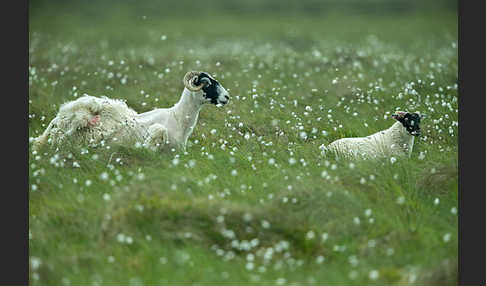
316 8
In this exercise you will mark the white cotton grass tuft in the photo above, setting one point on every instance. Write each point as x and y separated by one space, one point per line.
265 224
192 163
446 237
401 200
368 212
324 236
310 235
104 176
374 274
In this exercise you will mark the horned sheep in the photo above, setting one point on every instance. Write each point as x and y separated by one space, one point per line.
92 120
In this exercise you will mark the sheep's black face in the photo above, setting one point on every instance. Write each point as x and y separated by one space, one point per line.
411 121
213 90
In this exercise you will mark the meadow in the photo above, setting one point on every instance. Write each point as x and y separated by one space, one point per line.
251 201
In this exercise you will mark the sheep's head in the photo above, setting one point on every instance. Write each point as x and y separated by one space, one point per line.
411 121
212 91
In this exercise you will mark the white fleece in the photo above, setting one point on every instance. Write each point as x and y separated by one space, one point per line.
89 120
394 141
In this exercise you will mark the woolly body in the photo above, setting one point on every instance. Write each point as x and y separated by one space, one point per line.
75 122
394 141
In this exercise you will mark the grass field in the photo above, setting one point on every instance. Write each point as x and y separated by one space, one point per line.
251 202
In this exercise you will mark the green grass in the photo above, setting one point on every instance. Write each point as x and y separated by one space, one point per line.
158 221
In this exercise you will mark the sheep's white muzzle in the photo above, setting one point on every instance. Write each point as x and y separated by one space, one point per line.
224 102
223 97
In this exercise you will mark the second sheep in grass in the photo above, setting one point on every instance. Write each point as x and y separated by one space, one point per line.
395 141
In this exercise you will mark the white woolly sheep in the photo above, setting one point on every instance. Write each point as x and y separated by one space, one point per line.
395 141
91 120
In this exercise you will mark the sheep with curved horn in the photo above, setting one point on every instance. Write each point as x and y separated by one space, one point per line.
91 120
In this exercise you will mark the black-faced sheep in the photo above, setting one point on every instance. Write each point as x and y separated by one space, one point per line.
395 141
91 120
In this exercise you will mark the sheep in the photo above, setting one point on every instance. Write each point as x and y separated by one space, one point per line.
395 141
94 120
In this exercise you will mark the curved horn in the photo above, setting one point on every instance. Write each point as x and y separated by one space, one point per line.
189 81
